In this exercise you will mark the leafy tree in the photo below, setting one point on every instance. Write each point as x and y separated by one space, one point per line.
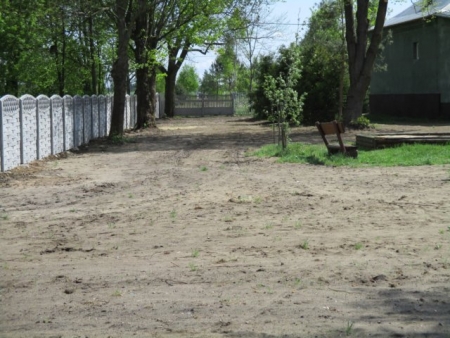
324 63
265 65
285 102
188 81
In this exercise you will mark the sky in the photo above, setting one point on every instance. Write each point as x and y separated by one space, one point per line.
294 12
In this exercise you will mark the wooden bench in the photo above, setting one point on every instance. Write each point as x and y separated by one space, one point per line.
336 128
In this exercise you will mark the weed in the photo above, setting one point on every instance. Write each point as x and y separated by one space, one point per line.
257 200
285 218
203 168
72 210
349 328
5 217
228 219
195 253
173 214
358 246
111 225
120 139
441 231
193 267
269 226
130 195
298 225
437 246
117 293
304 245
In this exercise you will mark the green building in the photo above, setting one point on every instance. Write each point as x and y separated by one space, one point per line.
417 80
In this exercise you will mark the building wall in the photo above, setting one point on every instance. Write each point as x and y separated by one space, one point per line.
407 80
404 74
444 65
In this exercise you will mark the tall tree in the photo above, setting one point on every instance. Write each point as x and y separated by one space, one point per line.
123 14
361 51
323 52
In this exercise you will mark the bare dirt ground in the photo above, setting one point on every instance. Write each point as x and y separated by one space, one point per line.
181 235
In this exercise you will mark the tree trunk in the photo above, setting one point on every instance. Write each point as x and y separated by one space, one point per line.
152 92
360 58
173 66
169 95
94 86
119 74
119 71
143 44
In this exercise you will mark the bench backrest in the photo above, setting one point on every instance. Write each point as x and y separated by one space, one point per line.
333 127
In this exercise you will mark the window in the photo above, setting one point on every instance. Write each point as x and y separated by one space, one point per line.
416 51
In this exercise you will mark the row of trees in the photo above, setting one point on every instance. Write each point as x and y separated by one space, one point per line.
86 47
63 46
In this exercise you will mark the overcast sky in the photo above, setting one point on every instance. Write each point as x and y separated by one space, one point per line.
294 11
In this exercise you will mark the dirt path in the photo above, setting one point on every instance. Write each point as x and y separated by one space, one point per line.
181 235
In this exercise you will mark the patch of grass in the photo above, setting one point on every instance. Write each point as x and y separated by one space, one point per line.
304 245
193 267
228 219
358 246
298 225
121 139
403 155
195 253
269 226
349 329
117 293
203 168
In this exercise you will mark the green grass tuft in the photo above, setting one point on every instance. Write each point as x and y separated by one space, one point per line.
403 155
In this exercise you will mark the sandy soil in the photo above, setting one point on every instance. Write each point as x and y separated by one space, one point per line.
181 235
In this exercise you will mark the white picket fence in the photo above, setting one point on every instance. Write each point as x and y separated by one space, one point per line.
33 128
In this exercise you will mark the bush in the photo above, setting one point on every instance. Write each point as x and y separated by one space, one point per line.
361 122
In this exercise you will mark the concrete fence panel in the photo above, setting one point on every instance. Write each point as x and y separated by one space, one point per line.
87 118
102 115
78 120
44 124
95 117
57 131
68 121
10 132
109 108
28 128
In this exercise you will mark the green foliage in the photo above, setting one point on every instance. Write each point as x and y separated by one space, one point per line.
187 82
285 103
324 57
361 122
52 47
227 74
403 155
